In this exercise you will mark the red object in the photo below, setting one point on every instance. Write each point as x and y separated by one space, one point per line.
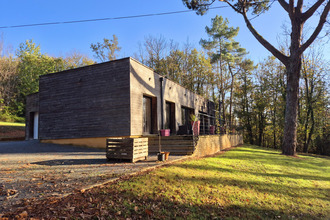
196 126
212 129
165 132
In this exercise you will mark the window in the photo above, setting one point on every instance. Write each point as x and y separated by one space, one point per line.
147 129
150 125
170 116
185 115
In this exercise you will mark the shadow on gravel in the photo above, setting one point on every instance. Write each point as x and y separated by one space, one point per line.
34 146
72 162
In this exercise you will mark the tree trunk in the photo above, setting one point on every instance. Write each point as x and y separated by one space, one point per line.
274 128
261 129
231 97
249 126
250 133
247 113
311 132
293 68
289 144
310 111
308 135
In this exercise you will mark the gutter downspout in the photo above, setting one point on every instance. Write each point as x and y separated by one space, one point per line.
161 79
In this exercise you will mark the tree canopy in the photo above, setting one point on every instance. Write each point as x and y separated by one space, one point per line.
107 50
298 13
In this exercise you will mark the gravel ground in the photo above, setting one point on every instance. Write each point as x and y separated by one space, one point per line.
31 170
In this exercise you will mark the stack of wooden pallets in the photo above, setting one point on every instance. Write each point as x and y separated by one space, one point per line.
132 149
177 145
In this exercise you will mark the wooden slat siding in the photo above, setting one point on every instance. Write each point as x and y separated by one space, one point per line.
177 145
176 148
91 101
171 142
177 137
132 149
173 148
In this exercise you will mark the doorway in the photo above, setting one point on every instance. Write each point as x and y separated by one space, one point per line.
34 125
170 117
147 115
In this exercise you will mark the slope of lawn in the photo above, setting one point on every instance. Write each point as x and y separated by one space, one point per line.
246 182
15 124
12 130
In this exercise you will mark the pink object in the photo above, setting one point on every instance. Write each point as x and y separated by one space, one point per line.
165 132
212 129
196 126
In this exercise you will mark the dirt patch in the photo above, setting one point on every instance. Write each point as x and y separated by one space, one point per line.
9 132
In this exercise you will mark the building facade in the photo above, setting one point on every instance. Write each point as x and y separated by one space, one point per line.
120 98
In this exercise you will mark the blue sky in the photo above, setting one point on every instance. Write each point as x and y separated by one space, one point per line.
58 40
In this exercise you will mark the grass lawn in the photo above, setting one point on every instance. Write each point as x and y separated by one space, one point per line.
247 182
12 130
2 123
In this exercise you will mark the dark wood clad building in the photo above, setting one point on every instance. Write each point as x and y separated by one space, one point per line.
120 98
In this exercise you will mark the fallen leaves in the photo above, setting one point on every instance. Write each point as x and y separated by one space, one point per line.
148 212
22 215
11 192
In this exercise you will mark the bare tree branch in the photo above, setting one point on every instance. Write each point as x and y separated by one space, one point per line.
264 42
300 5
291 9
317 29
311 10
284 5
232 6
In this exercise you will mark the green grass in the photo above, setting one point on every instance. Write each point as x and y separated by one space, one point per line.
247 182
244 183
12 124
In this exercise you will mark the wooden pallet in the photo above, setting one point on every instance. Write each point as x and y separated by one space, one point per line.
177 145
132 149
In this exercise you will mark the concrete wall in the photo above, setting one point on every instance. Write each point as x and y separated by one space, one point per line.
144 81
91 101
211 144
32 105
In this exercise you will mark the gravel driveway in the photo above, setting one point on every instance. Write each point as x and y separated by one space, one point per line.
31 170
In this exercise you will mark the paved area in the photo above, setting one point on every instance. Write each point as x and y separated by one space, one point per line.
32 170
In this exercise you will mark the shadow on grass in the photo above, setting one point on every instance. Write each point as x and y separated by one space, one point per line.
264 174
271 157
277 189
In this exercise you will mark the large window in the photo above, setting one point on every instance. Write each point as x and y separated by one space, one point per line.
147 117
170 116
185 115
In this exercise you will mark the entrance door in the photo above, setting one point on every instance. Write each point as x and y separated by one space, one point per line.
35 125
170 117
147 128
